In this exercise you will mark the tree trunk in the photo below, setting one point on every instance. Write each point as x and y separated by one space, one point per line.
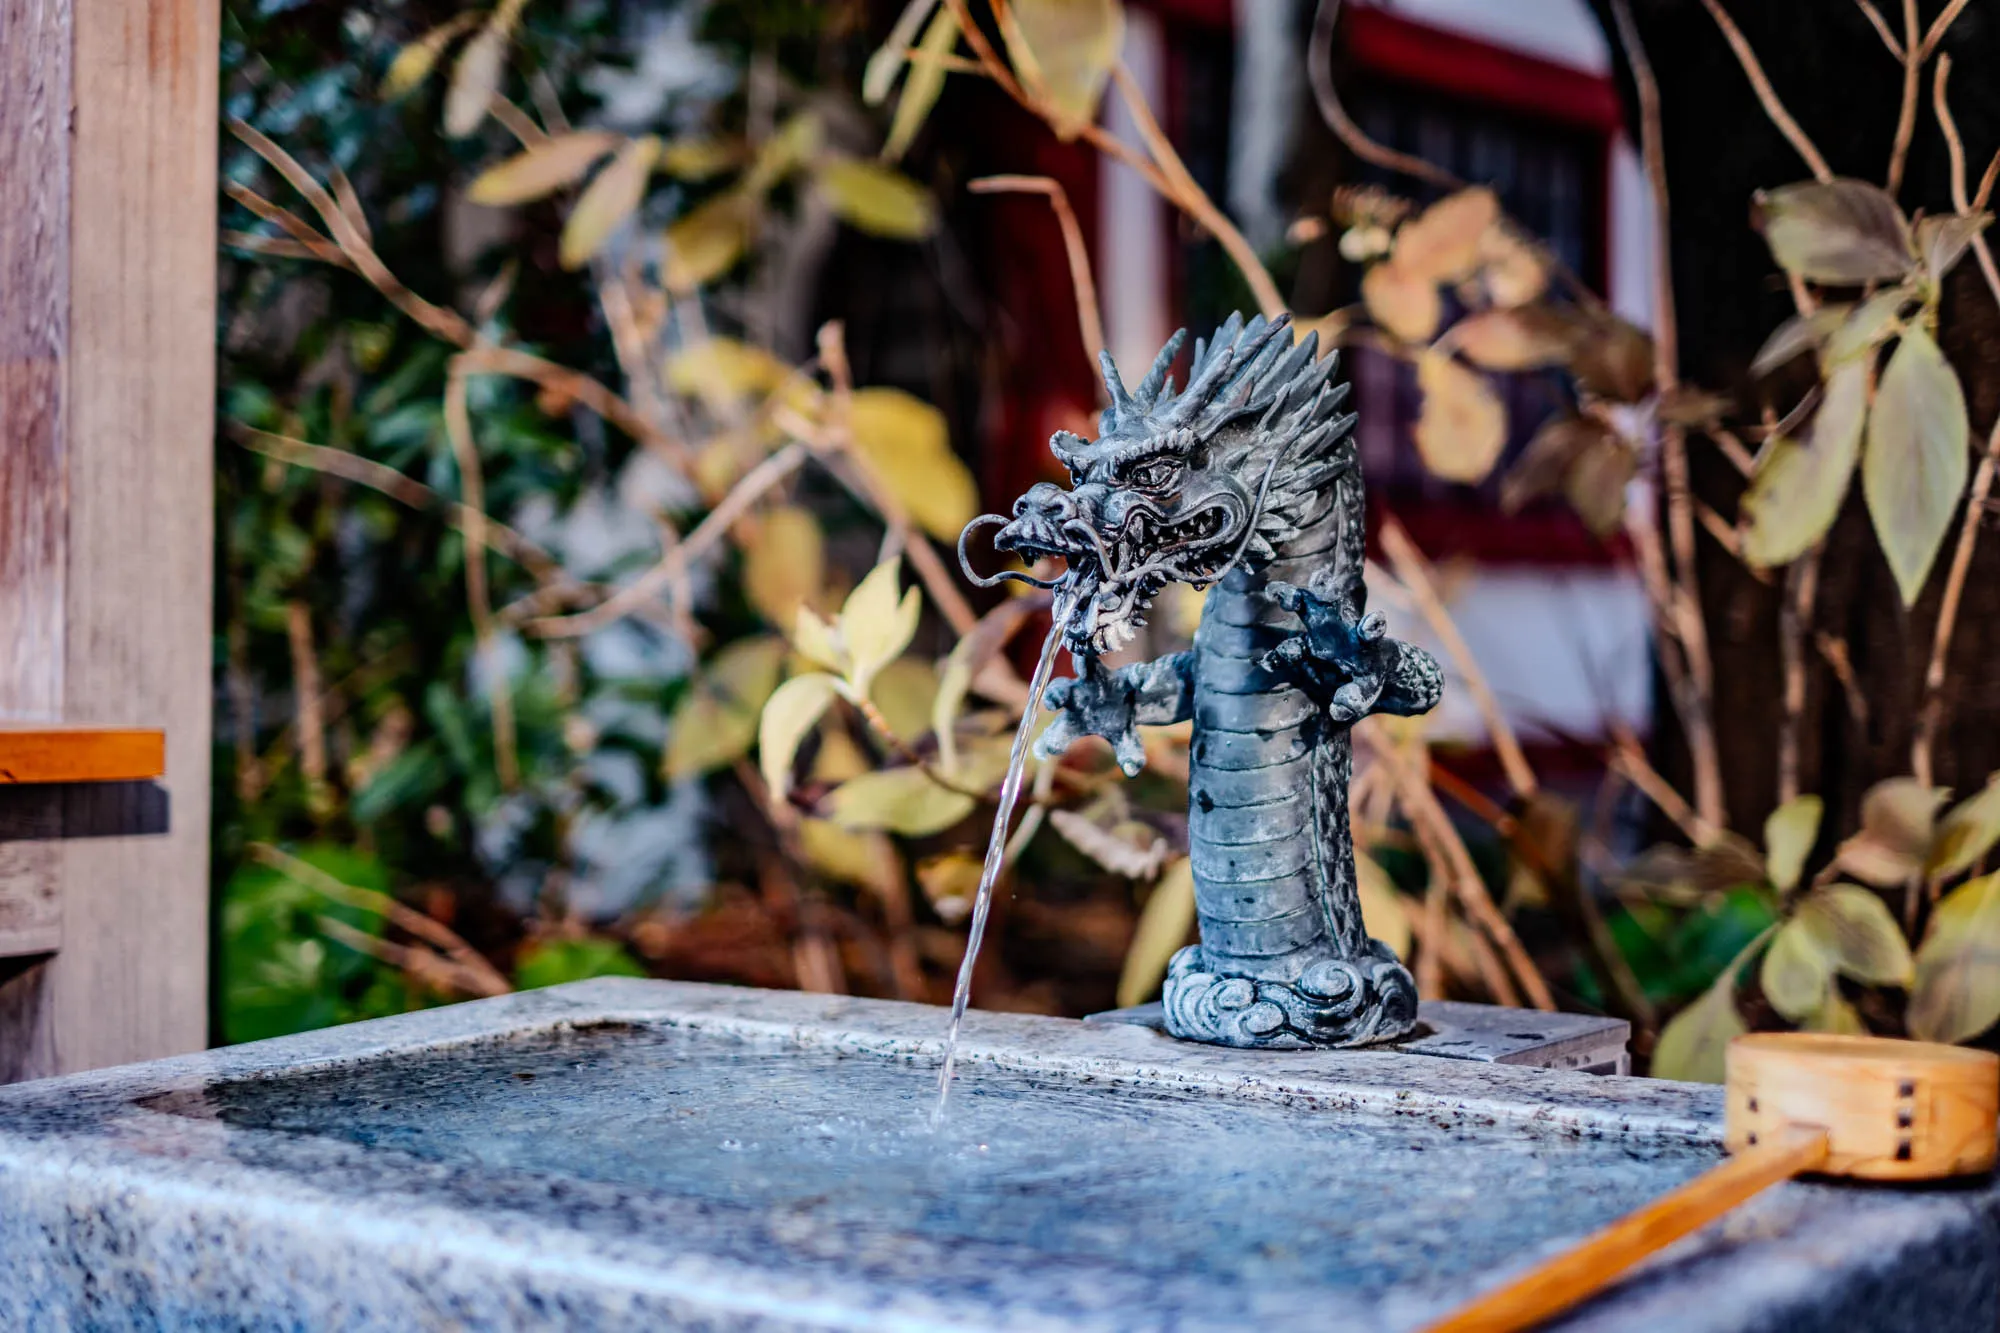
1844 88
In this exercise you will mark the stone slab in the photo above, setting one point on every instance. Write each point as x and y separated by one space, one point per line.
625 1154
1453 1030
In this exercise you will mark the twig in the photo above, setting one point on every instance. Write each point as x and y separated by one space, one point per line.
478 597
1939 26
1766 94
1089 323
1795 615
1930 716
671 566
1319 68
397 486
1719 528
1192 199
426 928
1733 449
1629 761
306 691
1906 116
1684 592
1414 572
1834 649
1420 803
1881 26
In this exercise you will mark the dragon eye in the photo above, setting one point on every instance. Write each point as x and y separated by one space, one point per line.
1155 474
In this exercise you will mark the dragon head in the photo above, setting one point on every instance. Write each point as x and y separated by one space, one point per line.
1184 486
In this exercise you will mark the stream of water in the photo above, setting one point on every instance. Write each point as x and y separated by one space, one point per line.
1066 601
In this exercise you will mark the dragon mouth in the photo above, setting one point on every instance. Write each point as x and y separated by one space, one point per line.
1125 573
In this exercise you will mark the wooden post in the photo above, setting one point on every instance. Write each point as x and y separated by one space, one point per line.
107 314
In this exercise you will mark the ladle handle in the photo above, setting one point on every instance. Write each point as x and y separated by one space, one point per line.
1594 1264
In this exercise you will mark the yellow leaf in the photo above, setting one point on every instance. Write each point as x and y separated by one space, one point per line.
1800 485
716 720
901 800
706 243
1837 1016
1463 425
476 77
1381 905
541 170
1163 928
878 76
784 563
1913 470
819 642
414 63
1063 51
1897 819
926 81
1523 339
723 371
696 159
1692 1045
950 881
790 715
610 199
875 626
787 150
877 199
1406 305
904 691
1510 269
1956 995
1798 971
838 757
1788 836
867 859
908 447
1968 832
1442 243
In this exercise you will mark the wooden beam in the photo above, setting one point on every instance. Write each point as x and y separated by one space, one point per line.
134 403
81 754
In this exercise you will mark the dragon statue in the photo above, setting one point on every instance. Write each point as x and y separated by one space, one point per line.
1248 480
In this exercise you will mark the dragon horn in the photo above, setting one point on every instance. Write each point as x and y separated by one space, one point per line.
1121 401
1156 378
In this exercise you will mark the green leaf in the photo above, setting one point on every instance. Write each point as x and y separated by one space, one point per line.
1694 1043
1968 832
1941 239
1858 933
792 712
1789 834
1798 969
901 800
1914 471
877 199
1798 334
1897 819
1956 995
1871 324
1845 232
553 962
1164 923
1800 484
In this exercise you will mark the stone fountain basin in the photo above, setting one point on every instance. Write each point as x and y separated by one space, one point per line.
639 1154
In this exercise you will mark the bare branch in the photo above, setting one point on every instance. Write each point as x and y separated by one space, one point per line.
1906 116
1089 323
1766 94
1881 26
1319 67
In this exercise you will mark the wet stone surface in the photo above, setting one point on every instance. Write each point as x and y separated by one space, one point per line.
642 1154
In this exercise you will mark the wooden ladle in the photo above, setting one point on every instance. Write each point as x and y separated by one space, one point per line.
1867 1108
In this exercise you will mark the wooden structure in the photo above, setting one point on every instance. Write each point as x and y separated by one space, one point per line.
107 301
1865 1108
